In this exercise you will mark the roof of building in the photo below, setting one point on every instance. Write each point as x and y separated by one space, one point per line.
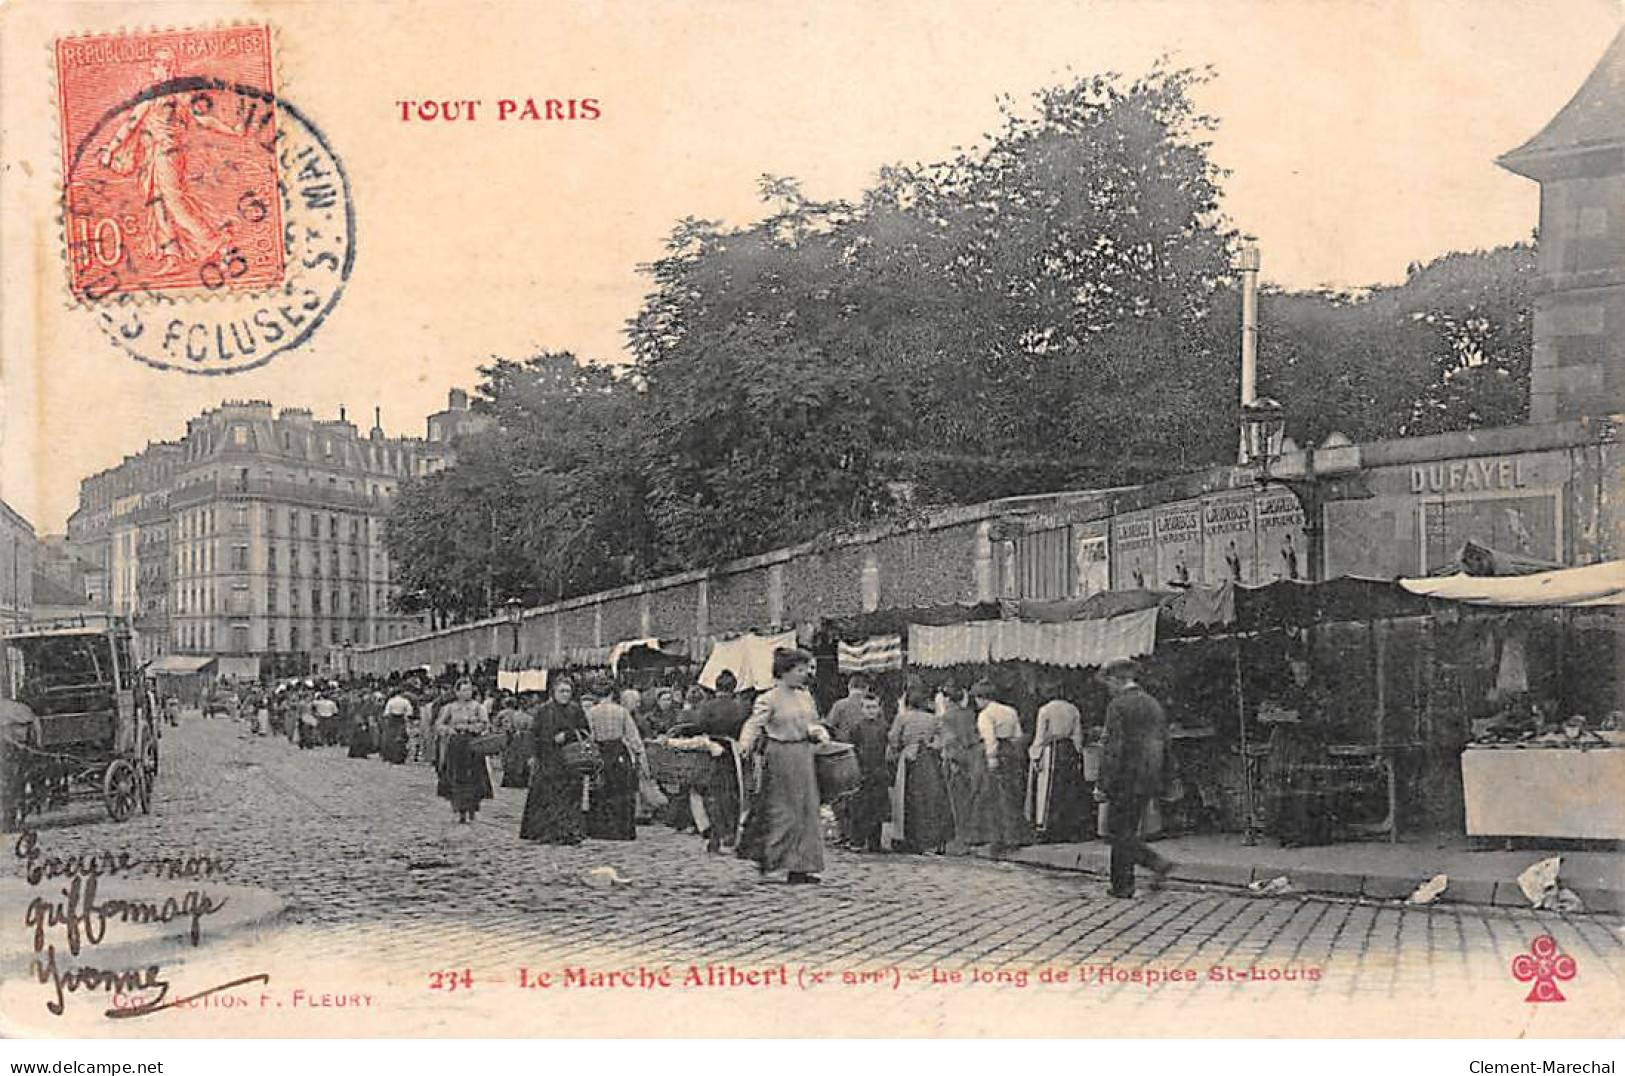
1593 119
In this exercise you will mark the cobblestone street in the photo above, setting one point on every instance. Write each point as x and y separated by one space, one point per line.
377 876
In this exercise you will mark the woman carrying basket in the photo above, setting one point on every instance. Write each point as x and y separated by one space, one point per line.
783 832
553 813
463 777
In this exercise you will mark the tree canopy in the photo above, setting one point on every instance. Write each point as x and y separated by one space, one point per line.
1051 309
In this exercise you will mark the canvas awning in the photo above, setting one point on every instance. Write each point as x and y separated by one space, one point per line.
179 664
1590 586
1070 644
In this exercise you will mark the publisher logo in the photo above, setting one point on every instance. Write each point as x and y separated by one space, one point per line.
1543 965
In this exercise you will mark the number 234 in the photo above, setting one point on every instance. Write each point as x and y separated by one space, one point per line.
451 980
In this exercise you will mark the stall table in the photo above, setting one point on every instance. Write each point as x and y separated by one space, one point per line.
1534 791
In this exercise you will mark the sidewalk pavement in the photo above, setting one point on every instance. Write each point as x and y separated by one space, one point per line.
1376 870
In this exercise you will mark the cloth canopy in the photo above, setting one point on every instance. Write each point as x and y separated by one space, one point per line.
749 657
893 621
180 664
1593 585
1072 644
1107 603
881 653
1285 603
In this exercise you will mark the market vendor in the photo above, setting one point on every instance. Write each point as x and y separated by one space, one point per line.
1300 812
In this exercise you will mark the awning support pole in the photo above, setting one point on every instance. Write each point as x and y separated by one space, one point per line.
1249 833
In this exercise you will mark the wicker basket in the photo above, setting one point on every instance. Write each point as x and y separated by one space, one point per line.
676 770
491 743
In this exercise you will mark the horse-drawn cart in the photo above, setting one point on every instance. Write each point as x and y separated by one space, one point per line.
77 721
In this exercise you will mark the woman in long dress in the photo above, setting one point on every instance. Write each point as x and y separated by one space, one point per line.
921 815
392 745
612 810
553 812
722 718
1057 799
464 778
520 747
783 831
1004 805
964 769
363 719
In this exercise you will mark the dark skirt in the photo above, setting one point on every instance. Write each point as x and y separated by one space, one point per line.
927 819
1005 803
360 740
516 759
611 815
392 741
965 780
463 776
783 830
722 796
553 807
1070 814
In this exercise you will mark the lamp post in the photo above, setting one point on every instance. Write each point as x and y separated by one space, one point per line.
515 610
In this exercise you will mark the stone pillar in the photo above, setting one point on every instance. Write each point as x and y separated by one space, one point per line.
775 594
986 578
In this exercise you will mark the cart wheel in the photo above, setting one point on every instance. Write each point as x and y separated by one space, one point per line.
121 789
145 790
149 759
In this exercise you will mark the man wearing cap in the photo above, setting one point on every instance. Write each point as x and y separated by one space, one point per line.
1131 772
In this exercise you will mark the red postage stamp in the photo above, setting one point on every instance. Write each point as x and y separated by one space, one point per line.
169 162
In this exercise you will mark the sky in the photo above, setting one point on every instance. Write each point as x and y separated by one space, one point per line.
1360 135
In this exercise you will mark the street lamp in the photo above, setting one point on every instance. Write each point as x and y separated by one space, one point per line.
1263 430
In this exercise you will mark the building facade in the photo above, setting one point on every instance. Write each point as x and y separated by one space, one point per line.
257 538
17 554
1579 161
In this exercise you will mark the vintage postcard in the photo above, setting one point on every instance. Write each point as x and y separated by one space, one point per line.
851 519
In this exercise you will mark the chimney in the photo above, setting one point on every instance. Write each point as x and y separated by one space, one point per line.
341 413
1247 263
377 423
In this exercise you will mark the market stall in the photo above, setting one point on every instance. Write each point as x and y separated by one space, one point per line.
1545 755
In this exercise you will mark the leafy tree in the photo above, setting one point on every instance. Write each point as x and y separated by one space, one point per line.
548 504
1449 349
1024 316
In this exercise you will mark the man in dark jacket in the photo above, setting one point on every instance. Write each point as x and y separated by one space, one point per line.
1131 773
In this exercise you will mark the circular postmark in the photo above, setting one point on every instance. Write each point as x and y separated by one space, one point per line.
210 226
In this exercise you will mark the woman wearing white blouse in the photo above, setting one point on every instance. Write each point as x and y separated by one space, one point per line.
1057 801
999 727
783 831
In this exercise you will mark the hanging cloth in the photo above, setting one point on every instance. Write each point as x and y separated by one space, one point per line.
749 657
880 653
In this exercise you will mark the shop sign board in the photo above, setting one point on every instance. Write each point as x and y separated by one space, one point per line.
1179 544
1282 549
1423 513
1229 538
1134 551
